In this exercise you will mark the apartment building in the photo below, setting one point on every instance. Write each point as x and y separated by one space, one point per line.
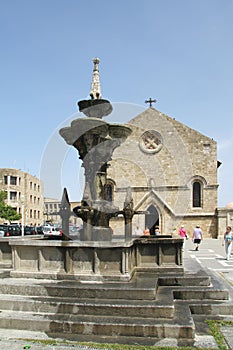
24 194
51 212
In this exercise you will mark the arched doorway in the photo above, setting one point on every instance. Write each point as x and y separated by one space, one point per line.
152 219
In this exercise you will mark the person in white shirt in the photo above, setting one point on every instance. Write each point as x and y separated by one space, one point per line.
138 231
227 241
197 236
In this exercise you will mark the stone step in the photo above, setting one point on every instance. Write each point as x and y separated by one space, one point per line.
202 327
210 308
5 271
109 307
192 293
127 291
77 290
181 326
185 280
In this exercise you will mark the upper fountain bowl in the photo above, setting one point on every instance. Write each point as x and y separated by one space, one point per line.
95 108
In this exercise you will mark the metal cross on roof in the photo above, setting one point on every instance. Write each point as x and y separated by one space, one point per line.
150 101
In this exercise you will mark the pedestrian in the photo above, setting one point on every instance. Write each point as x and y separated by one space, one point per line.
146 232
138 231
182 232
227 241
197 236
157 231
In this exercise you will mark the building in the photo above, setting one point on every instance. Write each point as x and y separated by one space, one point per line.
171 170
225 218
24 194
51 212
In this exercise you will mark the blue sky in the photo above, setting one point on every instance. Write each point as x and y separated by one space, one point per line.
177 51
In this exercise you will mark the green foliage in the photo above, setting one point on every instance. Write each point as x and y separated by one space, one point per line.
6 211
108 346
3 197
215 330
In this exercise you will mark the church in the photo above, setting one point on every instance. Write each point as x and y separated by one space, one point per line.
171 171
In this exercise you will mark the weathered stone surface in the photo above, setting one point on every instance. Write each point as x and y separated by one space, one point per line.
160 160
95 261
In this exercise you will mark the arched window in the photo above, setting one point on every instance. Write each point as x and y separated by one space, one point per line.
197 194
109 190
152 219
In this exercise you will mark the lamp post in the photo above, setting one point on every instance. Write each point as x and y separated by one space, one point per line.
22 221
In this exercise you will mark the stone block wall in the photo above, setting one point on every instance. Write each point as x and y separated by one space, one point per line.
160 161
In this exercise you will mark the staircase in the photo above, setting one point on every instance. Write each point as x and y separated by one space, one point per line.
148 308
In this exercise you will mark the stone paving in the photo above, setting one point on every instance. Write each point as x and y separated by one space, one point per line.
211 257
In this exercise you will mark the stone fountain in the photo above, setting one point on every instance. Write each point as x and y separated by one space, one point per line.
97 255
95 141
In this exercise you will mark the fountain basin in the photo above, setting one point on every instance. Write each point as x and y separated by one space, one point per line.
95 261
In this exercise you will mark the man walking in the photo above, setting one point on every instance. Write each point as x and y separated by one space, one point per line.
197 236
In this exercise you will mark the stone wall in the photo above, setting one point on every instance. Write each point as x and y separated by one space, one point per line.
95 261
160 161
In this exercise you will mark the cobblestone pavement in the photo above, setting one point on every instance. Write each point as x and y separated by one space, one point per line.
211 257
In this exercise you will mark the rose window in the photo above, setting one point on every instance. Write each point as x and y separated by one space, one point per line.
151 141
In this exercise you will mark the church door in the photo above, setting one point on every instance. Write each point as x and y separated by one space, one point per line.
152 219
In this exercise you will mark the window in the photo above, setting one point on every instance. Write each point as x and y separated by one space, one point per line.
5 180
196 194
13 180
13 196
151 141
109 190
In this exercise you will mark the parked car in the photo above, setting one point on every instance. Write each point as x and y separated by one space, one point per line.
14 230
74 232
3 230
10 230
52 232
39 230
29 230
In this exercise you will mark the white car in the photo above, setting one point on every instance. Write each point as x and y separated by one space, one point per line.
52 231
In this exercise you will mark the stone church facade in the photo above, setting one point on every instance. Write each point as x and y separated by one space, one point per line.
171 171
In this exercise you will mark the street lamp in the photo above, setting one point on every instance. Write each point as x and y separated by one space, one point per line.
22 221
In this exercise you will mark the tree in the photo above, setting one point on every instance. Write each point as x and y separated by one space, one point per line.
6 211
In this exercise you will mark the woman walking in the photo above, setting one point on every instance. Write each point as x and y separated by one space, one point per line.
227 241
